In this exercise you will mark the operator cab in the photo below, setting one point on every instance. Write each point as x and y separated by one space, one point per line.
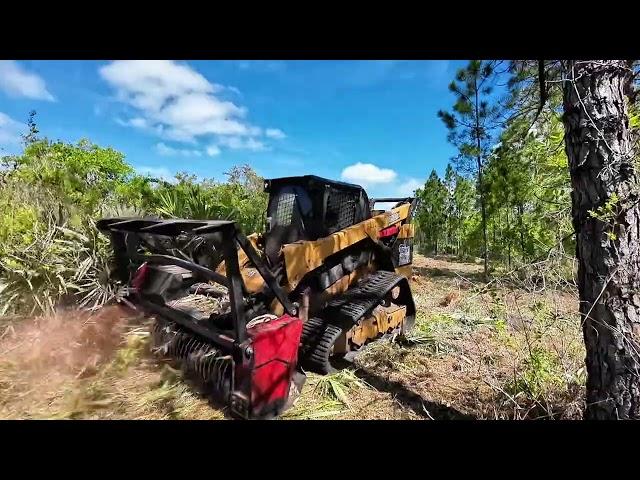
309 208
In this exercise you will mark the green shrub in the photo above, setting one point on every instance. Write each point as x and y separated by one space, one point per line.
60 266
50 196
241 198
540 373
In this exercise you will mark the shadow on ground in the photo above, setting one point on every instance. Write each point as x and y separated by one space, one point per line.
419 405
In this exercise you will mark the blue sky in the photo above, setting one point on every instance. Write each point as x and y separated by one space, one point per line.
368 122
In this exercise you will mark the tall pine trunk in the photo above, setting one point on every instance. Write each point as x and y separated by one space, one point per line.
508 240
480 183
601 163
483 210
521 225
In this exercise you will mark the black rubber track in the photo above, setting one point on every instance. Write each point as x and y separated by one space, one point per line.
318 338
358 302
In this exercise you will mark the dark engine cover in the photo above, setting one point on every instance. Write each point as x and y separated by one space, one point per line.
166 282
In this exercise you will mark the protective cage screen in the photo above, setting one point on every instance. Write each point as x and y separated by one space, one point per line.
341 210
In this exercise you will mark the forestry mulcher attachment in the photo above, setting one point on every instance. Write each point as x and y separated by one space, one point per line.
247 316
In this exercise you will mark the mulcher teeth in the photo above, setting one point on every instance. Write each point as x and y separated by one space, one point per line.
198 358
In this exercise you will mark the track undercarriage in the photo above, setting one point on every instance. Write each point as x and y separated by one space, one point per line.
378 305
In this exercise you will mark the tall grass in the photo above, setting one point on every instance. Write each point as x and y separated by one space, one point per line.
59 266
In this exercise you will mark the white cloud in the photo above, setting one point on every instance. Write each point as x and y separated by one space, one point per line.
261 65
239 143
368 174
162 173
167 151
234 90
213 150
138 122
275 133
17 82
10 130
408 187
175 101
195 110
163 150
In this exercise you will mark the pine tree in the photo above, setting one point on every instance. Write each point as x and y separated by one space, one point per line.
606 217
597 101
463 201
431 214
32 135
471 125
450 185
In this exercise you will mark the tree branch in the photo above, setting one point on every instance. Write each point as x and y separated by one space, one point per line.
543 89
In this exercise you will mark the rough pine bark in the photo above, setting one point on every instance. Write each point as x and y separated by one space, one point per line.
603 167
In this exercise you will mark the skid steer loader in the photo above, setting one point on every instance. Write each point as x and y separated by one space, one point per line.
247 316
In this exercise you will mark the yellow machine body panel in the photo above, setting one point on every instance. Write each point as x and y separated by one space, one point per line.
382 320
305 256
407 230
253 281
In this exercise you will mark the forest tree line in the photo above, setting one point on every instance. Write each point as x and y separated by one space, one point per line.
53 192
551 161
527 193
507 191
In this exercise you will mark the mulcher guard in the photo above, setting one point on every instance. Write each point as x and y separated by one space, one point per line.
244 356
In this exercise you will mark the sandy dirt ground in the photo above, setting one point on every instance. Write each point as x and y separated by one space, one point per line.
475 353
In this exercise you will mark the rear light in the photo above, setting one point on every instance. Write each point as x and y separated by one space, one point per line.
389 231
